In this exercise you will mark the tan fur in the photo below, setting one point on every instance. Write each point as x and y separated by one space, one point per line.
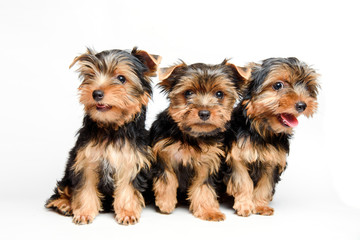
244 72
202 98
178 153
62 204
85 201
128 203
123 96
173 154
151 61
125 99
263 195
240 185
164 73
264 108
202 196
267 104
185 111
127 162
244 151
264 210
165 192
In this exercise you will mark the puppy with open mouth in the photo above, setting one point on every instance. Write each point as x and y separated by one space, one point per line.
277 93
107 166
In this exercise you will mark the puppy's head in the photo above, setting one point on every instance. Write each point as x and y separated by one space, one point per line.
115 84
279 91
202 96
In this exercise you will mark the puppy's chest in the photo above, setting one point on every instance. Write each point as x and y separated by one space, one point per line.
249 152
118 157
186 155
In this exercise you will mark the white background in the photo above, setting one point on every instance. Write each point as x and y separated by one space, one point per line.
318 197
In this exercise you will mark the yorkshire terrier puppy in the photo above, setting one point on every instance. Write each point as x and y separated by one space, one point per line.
107 167
277 93
187 136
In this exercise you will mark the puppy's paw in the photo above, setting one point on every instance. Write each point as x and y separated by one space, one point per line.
61 205
244 208
127 217
83 219
166 206
264 210
210 215
65 209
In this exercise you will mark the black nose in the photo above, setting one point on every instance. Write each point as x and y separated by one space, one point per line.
98 95
204 114
300 106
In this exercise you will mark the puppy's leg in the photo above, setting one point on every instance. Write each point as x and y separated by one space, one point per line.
128 202
203 198
165 188
263 193
86 202
240 186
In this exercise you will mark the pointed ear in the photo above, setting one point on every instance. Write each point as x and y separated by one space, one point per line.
165 73
244 72
89 51
151 61
76 59
165 76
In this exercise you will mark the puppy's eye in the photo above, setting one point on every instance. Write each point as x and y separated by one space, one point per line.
277 86
188 93
121 79
219 94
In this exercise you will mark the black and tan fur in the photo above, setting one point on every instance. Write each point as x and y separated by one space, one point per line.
187 136
279 90
109 164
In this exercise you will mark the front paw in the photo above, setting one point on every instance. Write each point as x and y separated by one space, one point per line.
127 217
81 219
244 208
264 210
167 206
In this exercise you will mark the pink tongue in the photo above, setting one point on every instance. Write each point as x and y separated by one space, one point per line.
289 119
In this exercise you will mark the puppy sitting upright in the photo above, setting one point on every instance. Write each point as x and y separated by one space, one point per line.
105 168
187 136
279 91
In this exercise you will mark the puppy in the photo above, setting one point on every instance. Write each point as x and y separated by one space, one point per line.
187 136
106 168
278 92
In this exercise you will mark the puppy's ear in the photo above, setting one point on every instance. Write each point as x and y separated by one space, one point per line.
89 52
151 61
243 72
168 76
